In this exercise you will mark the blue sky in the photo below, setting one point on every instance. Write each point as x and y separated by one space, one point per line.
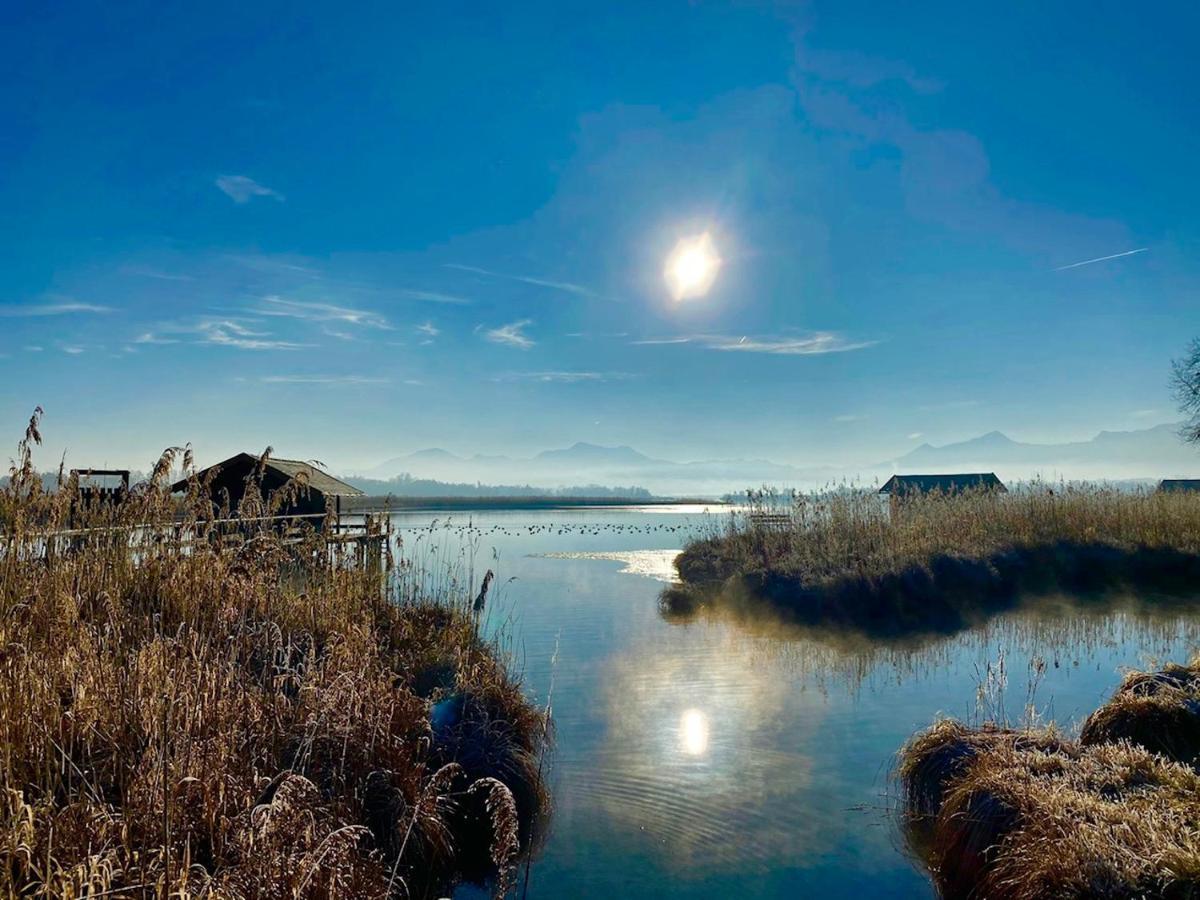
352 231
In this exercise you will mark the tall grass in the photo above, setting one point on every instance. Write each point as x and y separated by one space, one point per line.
850 532
182 717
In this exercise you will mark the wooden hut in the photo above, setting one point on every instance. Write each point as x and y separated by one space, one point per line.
317 492
900 487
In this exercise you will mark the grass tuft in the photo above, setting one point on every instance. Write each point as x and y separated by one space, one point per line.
1014 815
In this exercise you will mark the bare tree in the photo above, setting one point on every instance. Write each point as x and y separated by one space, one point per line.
1185 382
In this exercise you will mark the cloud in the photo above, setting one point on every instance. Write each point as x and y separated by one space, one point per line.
335 380
915 435
812 343
434 297
34 348
72 349
428 329
229 332
816 343
512 334
861 71
64 308
241 189
320 312
149 337
1146 413
564 377
1088 262
849 417
145 272
527 279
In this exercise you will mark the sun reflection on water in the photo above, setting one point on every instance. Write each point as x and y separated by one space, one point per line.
693 732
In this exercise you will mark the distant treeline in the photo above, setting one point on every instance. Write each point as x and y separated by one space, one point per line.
407 486
50 479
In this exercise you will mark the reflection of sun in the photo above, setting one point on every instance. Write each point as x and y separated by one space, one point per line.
692 267
693 732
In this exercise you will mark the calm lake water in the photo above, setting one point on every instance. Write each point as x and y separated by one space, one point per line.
713 758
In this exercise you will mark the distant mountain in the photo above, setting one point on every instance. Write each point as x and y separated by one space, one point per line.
584 463
594 454
1147 454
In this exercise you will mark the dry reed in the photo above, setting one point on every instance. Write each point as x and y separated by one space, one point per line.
1006 814
183 716
942 560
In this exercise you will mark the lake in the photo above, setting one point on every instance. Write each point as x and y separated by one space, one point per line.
713 758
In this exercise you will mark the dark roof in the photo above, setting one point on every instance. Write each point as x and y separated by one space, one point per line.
1179 484
946 484
318 480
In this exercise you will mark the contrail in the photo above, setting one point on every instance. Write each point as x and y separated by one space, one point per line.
1088 262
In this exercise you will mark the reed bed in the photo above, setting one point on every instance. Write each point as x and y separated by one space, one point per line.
939 560
1006 814
179 718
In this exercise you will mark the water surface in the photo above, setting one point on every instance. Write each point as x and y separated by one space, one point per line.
714 758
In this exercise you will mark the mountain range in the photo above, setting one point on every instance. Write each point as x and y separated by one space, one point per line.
1147 454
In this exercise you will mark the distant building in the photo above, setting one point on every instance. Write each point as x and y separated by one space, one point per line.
898 487
317 493
1171 485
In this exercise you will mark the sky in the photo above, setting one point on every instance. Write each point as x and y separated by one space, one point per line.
351 231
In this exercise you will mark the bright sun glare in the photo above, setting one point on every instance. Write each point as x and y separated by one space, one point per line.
692 267
693 732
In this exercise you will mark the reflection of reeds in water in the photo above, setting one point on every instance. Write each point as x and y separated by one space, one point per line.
183 719
1056 629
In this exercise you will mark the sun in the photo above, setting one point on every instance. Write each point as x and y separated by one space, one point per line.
692 267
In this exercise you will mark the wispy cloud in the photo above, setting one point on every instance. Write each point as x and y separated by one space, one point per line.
849 417
226 332
242 189
512 334
71 349
334 380
320 312
149 337
65 308
563 377
810 344
528 279
33 348
156 274
915 435
434 297
1088 262
428 329
1147 413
